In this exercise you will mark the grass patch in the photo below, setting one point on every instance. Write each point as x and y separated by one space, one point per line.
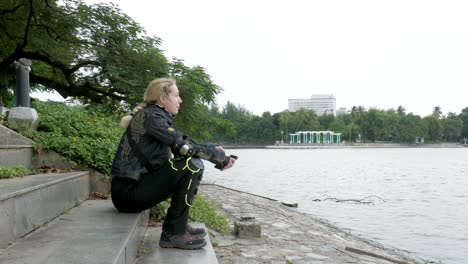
205 211
18 171
158 212
202 210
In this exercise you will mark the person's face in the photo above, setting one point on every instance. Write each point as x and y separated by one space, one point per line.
171 102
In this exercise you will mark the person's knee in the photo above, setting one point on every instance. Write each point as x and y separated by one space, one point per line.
196 164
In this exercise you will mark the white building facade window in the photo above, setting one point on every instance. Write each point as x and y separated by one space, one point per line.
320 104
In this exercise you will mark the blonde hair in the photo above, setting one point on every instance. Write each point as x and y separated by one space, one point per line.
156 88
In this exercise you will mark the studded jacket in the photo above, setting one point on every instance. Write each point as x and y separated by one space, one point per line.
153 134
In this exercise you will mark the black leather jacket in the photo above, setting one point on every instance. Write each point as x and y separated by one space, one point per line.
152 131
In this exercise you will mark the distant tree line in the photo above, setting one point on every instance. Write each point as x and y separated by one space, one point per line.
367 125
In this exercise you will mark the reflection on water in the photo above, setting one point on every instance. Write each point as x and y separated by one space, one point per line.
425 192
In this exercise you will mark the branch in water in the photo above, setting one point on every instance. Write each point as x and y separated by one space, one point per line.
362 201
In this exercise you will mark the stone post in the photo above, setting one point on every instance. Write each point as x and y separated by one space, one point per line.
23 67
22 114
247 227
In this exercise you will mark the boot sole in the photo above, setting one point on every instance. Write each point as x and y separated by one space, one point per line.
165 244
200 235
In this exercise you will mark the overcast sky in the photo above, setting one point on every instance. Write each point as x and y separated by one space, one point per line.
372 53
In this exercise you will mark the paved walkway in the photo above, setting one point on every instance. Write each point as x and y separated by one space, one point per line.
288 236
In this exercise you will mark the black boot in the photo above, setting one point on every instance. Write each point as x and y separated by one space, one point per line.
195 231
183 241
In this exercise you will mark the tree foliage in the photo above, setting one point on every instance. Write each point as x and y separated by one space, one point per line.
464 117
452 127
97 54
94 53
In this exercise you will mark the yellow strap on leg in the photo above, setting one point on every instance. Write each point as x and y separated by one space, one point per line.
186 201
188 167
190 184
186 195
172 165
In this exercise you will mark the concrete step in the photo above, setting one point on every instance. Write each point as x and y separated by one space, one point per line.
151 253
10 137
94 232
16 155
15 149
28 202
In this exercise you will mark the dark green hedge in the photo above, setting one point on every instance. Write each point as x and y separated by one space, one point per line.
86 135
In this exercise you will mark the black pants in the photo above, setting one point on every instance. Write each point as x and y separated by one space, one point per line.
178 179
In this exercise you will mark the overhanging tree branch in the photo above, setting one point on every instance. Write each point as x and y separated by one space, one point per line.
49 31
82 64
87 89
64 68
26 31
9 11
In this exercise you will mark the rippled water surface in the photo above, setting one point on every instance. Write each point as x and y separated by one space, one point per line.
420 195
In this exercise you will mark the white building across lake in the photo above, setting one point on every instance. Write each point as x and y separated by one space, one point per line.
319 103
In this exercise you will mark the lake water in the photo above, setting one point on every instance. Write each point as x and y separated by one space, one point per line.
420 195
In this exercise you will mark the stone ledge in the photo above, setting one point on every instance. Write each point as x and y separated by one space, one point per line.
94 232
29 202
10 137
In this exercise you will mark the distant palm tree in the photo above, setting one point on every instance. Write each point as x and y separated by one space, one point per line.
284 118
437 112
401 111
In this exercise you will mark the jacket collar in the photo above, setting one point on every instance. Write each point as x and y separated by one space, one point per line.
161 109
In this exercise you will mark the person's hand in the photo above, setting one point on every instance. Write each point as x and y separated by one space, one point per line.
230 163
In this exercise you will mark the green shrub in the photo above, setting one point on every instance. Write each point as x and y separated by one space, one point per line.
10 172
83 134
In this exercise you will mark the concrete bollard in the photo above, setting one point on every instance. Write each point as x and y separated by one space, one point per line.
247 227
22 114
23 67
